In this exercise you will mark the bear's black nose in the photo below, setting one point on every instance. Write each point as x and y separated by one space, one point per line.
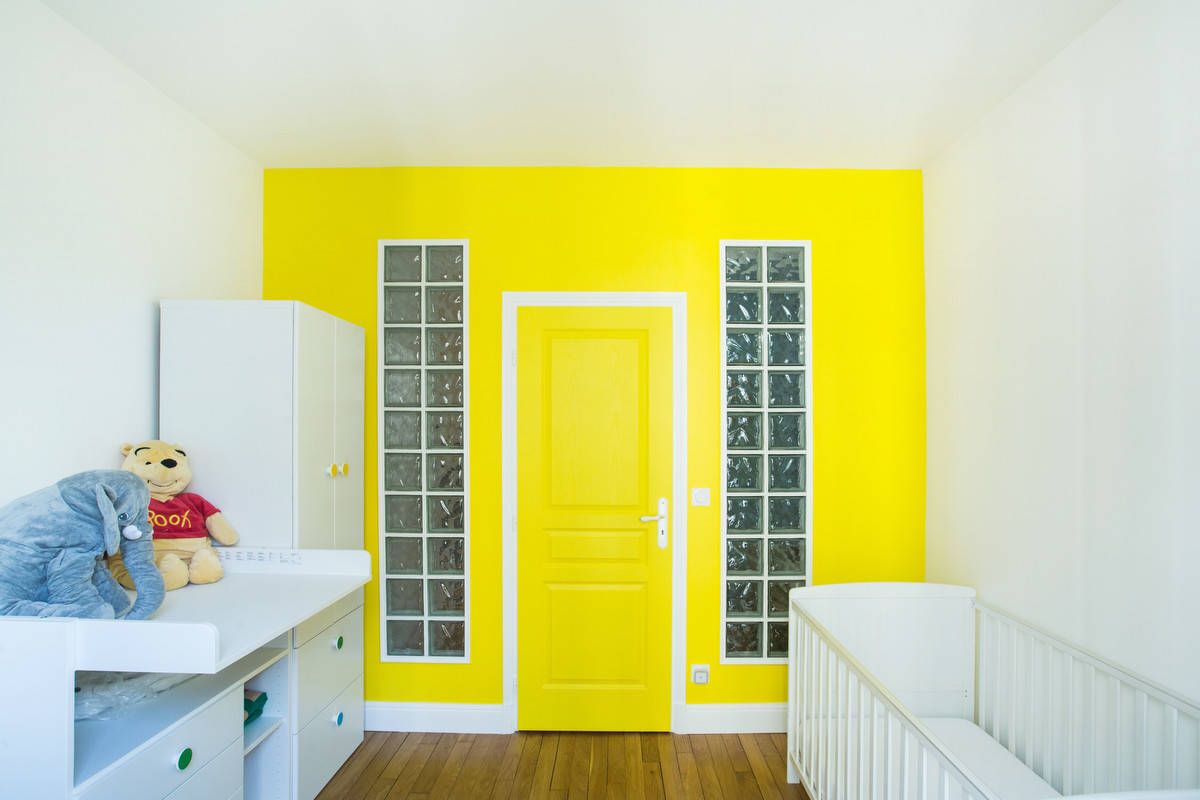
169 463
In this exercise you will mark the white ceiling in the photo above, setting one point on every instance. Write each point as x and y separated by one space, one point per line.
784 83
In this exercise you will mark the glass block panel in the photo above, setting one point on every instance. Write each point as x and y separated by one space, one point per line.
402 262
445 263
743 557
777 597
742 264
744 473
785 556
743 598
743 389
402 430
402 387
447 638
444 305
785 306
446 555
446 513
785 515
785 264
777 639
785 389
786 432
743 514
405 637
445 470
444 387
743 431
743 639
401 346
785 473
445 430
403 555
405 596
743 347
784 348
445 346
402 472
446 597
402 513
401 304
743 305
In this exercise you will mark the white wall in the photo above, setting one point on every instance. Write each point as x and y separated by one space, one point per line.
111 197
1063 280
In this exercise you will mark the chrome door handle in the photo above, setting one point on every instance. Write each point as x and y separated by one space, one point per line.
661 518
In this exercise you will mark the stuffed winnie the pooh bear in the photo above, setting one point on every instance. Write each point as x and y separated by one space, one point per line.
182 521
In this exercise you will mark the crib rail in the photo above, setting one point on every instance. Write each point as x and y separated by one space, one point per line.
1084 725
850 738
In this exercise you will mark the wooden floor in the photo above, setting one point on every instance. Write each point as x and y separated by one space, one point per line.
564 765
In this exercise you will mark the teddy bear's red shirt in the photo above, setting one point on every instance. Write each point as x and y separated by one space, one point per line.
181 517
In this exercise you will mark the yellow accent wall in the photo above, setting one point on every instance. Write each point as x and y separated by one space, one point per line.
645 229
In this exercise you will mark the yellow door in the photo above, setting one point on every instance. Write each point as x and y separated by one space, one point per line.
594 455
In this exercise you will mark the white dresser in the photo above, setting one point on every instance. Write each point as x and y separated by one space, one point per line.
267 396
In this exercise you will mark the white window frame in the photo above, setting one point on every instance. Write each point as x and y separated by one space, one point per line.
425 492
763 244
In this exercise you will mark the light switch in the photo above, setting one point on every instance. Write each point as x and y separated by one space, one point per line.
700 671
701 497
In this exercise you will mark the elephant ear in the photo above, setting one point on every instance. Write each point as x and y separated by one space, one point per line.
108 516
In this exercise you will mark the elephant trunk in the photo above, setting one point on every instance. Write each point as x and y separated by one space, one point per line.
138 555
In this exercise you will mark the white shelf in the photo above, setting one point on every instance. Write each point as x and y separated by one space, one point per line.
204 629
257 732
102 744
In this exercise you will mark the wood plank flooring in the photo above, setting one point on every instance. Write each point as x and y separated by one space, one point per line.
639 766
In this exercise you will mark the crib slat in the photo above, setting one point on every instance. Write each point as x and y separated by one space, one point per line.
1142 756
1068 786
1170 762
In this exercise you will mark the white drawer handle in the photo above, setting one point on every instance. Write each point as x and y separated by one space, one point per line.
184 759
338 643
339 719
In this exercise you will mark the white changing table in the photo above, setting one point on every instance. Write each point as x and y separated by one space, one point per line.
273 610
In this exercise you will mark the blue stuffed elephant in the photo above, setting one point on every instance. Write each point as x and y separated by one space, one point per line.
52 541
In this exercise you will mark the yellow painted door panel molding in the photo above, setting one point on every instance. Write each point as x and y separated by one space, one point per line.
594 456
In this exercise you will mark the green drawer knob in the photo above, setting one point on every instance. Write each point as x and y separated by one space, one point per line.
339 643
184 760
339 719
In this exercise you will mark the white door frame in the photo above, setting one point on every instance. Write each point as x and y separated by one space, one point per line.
677 302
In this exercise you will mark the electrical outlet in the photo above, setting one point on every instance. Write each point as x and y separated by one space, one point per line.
700 674
701 497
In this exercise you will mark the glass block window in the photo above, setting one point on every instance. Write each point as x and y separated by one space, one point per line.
767 438
423 511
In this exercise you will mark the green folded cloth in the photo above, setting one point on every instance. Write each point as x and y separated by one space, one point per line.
252 705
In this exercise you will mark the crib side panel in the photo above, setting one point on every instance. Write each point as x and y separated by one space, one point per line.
921 648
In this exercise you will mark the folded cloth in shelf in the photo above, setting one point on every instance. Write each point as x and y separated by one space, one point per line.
109 695
253 704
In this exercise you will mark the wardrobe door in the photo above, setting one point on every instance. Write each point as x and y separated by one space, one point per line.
349 366
316 474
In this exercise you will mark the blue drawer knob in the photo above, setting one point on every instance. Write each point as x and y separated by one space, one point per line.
339 719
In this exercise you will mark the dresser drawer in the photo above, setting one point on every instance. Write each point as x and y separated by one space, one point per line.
324 745
327 663
221 777
323 619
153 771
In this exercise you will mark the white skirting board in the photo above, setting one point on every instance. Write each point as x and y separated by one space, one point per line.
498 717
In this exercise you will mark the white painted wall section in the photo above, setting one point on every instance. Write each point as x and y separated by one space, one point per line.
1063 280
111 197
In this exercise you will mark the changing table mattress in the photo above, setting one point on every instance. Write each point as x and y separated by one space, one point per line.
998 769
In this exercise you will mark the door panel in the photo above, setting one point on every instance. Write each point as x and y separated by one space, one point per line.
350 364
314 427
594 454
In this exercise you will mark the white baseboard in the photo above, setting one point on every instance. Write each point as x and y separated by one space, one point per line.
501 718
440 717
731 718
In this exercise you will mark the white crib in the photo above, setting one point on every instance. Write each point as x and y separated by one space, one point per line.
913 691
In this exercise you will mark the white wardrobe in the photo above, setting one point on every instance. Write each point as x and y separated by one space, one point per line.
267 399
